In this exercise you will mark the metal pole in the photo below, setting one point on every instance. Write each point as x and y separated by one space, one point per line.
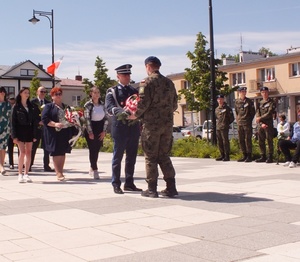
212 76
53 77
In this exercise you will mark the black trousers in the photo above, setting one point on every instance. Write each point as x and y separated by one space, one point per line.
94 145
35 145
285 146
10 148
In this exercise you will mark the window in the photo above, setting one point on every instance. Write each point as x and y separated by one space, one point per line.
295 69
186 85
76 100
10 90
238 78
267 74
27 72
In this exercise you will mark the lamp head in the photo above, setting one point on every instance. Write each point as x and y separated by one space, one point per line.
34 20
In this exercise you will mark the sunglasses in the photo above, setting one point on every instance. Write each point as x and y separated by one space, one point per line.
44 92
58 94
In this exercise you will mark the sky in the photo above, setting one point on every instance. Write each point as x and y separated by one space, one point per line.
121 32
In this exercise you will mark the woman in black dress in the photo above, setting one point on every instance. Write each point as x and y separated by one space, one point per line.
57 132
23 131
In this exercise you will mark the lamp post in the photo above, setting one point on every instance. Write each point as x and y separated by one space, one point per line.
212 76
50 17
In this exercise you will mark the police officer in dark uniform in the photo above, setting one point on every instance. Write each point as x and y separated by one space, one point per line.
245 112
264 120
224 117
158 101
125 135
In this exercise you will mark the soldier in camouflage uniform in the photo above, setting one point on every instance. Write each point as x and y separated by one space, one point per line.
158 101
245 112
224 117
264 120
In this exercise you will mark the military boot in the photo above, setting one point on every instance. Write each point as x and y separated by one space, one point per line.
243 158
151 191
171 190
249 158
226 158
262 159
270 159
220 158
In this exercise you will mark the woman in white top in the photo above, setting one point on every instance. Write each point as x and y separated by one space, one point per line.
283 127
96 124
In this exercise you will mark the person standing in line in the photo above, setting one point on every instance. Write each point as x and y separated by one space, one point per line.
125 135
57 132
158 101
10 143
23 131
5 111
264 120
245 112
40 101
96 124
224 117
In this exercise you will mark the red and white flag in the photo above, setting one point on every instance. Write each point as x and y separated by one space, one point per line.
51 68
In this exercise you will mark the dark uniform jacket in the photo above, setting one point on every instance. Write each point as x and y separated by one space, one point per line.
158 100
265 111
245 111
224 116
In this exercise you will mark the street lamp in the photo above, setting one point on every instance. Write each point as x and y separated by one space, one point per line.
50 17
212 76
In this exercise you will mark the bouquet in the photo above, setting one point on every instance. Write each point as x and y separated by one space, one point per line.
73 118
130 108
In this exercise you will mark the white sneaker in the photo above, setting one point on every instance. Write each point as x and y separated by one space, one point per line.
21 179
287 163
96 175
27 179
292 165
91 173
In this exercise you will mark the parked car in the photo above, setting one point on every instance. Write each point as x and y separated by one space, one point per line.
195 131
177 133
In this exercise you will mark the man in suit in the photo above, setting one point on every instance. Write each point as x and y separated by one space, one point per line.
39 101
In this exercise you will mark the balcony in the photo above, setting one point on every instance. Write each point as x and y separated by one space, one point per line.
256 84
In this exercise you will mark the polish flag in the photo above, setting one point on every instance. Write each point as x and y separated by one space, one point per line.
51 69
269 76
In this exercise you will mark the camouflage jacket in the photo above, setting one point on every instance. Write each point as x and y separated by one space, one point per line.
265 110
224 116
245 111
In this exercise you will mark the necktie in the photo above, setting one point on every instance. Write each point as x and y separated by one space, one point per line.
42 102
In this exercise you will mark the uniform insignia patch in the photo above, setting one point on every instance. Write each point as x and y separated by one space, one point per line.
141 90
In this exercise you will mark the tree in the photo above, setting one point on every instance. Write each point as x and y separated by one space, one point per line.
102 81
35 83
266 51
198 94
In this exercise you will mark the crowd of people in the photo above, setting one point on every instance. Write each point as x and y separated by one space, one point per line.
30 123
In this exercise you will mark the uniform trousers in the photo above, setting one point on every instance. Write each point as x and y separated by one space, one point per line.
126 139
95 144
245 138
157 144
263 135
223 141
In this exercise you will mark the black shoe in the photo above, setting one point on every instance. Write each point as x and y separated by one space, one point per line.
132 188
261 160
118 190
11 167
48 169
243 159
220 158
225 159
169 193
269 160
149 193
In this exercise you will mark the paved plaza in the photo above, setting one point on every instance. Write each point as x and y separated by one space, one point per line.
225 211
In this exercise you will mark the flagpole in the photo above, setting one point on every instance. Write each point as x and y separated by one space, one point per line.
50 16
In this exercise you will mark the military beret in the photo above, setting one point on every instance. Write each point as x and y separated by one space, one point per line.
220 96
264 88
124 69
242 88
153 60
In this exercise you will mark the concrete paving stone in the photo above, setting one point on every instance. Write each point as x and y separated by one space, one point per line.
74 218
29 244
92 253
3 259
278 227
8 247
214 231
75 238
291 250
155 255
43 255
285 217
246 222
260 240
271 258
213 251
8 233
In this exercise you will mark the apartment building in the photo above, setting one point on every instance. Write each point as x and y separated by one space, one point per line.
281 74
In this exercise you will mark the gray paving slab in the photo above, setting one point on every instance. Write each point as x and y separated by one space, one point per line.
224 212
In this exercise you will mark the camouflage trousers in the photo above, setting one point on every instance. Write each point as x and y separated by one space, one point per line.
263 135
245 139
157 145
223 141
